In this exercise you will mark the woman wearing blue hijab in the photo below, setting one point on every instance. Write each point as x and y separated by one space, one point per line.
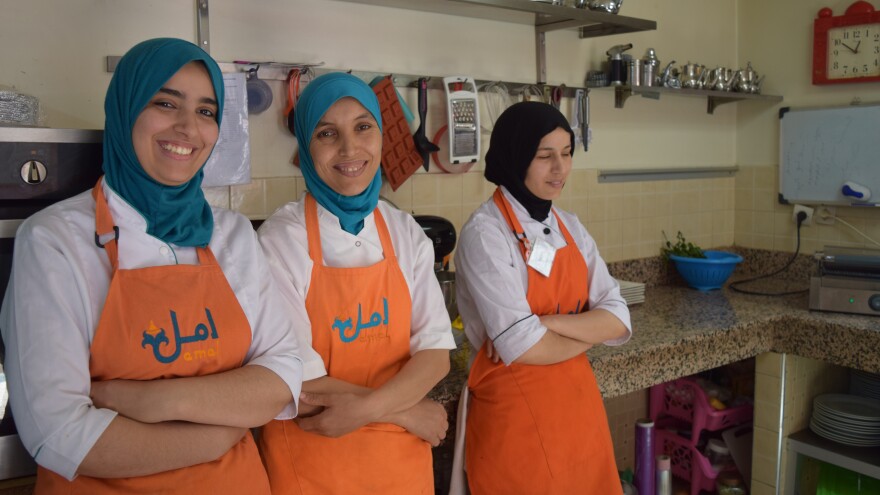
360 274
159 337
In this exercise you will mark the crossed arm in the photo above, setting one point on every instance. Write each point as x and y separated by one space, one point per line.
571 335
335 407
495 282
180 422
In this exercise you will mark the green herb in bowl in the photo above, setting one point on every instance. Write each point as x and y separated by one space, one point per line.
681 248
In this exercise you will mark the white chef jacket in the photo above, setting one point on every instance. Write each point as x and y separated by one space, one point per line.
286 245
53 304
492 279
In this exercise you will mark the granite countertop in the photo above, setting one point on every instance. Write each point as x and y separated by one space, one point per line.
679 331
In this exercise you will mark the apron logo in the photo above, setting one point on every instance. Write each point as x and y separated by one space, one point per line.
375 320
577 309
155 336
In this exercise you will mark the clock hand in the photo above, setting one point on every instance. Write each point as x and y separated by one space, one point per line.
857 47
849 47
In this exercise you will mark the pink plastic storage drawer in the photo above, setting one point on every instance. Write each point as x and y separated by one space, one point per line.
684 399
687 462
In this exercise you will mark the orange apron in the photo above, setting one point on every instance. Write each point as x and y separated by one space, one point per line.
167 322
540 429
361 328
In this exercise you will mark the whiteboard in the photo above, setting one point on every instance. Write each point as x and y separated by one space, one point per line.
822 148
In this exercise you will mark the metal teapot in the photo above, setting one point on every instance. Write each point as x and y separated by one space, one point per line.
670 77
749 82
693 76
610 6
723 79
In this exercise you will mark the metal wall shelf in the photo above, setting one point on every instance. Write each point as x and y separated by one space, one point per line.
715 98
544 17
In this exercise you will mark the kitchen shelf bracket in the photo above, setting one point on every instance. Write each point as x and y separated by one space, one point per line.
203 25
713 102
715 98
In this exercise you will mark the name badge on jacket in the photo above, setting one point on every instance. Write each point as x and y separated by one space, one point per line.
541 257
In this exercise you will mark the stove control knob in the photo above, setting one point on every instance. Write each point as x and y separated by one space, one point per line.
874 302
33 172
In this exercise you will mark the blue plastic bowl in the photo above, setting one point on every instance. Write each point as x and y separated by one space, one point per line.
706 273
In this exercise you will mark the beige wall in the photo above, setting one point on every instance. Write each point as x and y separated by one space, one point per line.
62 63
777 37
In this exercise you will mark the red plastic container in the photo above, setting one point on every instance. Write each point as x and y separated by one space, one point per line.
684 399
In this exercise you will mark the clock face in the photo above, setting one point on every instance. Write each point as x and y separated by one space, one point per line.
854 51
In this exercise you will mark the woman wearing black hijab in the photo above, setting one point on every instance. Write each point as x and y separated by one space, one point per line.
534 296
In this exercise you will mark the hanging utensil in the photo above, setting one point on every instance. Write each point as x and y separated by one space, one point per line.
425 146
259 94
293 79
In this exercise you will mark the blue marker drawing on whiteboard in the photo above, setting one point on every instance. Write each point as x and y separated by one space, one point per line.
856 191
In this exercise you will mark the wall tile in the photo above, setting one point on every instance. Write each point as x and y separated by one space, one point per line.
424 190
767 415
759 488
472 188
764 469
449 188
766 178
597 209
402 197
577 184
249 199
769 363
279 191
217 196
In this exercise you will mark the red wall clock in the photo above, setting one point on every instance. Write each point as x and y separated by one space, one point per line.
846 48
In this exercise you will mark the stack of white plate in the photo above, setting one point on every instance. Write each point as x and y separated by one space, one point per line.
632 292
847 419
864 384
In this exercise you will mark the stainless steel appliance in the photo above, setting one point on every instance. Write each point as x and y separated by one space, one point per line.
38 167
442 235
848 281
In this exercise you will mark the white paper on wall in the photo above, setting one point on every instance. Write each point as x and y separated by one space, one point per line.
230 163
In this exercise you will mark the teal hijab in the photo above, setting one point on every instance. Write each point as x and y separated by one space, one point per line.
175 214
313 103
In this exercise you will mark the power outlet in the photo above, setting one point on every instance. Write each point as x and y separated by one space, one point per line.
805 209
826 215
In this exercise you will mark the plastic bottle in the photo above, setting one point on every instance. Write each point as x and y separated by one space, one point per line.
664 475
718 454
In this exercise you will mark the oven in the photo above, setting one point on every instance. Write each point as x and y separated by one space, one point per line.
38 167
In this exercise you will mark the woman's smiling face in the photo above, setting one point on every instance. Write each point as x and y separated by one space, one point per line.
346 147
174 134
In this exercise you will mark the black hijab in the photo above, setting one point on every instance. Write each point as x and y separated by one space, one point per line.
512 147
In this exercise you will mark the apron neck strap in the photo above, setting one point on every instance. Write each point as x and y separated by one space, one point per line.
507 212
313 232
104 225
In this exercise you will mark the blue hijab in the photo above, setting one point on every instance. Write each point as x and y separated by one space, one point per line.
313 103
175 214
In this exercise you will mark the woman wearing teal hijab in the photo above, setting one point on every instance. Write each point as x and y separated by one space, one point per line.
357 277
159 338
